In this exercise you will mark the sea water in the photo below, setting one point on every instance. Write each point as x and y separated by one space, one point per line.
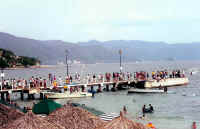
172 111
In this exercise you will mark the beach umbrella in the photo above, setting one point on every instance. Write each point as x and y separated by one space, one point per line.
8 114
31 121
74 118
45 107
122 122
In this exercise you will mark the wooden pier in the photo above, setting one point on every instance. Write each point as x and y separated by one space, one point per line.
112 85
106 85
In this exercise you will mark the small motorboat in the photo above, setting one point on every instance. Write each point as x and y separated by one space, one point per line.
54 95
148 110
136 90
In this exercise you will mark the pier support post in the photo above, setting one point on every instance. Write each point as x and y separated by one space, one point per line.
92 88
82 88
22 95
2 97
29 96
114 87
99 89
7 96
33 96
41 96
107 87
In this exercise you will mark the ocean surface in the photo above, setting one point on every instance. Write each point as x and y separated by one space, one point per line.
172 111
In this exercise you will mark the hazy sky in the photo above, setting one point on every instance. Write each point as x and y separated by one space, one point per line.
83 20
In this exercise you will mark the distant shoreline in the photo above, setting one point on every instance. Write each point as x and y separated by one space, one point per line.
30 67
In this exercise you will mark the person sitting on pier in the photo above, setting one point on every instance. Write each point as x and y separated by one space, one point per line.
194 126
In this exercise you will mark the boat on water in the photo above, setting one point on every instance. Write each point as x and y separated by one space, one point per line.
168 82
66 94
136 90
148 110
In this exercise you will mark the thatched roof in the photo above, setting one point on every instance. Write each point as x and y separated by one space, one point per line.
74 118
8 114
122 122
31 121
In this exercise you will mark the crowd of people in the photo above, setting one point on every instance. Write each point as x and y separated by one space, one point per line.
53 80
158 75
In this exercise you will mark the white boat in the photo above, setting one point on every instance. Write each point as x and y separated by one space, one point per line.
136 90
67 94
169 82
34 91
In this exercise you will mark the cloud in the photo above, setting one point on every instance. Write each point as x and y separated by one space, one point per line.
77 20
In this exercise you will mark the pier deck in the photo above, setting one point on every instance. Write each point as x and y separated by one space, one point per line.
40 89
116 84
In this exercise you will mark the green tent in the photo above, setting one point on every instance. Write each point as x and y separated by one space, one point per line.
45 107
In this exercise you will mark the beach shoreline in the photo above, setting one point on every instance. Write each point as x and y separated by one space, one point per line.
30 67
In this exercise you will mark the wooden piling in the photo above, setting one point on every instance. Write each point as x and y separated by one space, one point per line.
92 88
82 88
114 87
29 96
107 88
7 96
99 89
2 96
22 95
33 96
41 96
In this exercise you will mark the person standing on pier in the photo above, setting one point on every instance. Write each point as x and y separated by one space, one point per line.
76 76
94 78
45 83
26 83
54 84
37 82
60 81
67 80
54 77
71 79
88 78
50 78
40 80
194 126
99 77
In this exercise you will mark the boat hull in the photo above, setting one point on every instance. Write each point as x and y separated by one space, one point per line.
169 82
135 90
67 95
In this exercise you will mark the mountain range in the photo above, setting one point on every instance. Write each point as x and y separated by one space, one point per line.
53 51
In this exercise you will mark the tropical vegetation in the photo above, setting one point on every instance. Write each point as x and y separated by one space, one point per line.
9 60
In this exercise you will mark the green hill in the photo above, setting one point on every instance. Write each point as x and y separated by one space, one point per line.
9 60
